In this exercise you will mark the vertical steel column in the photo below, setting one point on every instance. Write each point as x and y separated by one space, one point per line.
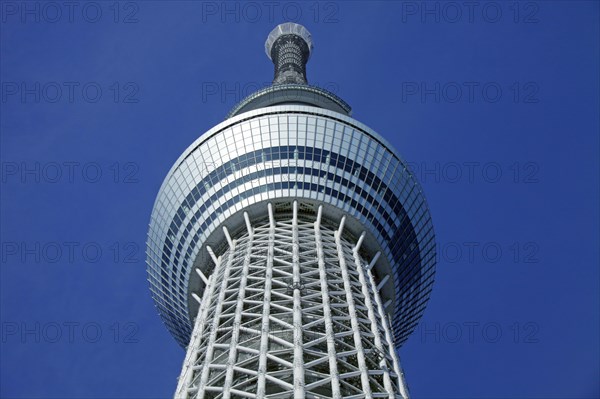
264 337
331 352
388 336
187 374
387 382
360 354
239 307
215 324
297 310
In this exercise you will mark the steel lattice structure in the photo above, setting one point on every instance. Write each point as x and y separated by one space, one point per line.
292 288
290 249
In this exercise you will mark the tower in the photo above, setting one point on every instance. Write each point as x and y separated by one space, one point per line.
290 249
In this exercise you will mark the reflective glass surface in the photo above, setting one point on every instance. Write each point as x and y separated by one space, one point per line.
283 152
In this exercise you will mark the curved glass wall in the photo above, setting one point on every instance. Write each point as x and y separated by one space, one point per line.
290 152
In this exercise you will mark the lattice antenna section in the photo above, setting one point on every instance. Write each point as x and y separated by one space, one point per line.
289 46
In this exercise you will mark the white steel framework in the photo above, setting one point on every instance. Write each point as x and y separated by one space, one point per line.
291 310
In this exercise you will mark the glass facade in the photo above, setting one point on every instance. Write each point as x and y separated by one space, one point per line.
284 153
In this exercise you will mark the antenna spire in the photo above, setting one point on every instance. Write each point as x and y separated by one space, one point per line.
289 46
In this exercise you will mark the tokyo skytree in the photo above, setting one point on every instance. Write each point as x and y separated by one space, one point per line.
290 249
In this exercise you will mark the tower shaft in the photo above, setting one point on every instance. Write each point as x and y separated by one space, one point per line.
290 249
291 310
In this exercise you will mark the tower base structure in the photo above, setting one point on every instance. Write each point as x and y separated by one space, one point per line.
291 310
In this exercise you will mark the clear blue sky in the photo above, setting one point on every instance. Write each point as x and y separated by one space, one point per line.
495 105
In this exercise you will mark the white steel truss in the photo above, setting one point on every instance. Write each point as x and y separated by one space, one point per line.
291 310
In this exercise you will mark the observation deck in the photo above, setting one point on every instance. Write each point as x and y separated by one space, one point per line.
288 143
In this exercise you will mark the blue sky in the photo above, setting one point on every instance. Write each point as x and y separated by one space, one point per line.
494 104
